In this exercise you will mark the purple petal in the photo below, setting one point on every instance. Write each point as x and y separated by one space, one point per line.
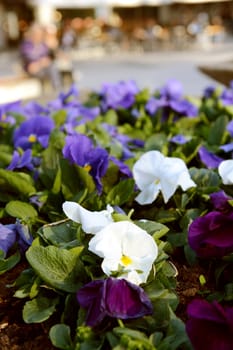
208 158
210 326
7 237
211 235
114 298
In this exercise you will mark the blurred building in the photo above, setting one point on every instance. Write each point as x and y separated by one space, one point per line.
178 15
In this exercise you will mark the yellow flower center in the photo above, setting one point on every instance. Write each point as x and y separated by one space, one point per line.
157 181
126 260
32 138
3 117
87 167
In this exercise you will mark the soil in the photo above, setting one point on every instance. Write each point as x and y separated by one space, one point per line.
16 335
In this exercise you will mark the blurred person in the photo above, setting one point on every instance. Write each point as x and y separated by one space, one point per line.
36 56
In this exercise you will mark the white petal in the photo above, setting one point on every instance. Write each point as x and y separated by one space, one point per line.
91 221
148 194
225 170
125 238
146 170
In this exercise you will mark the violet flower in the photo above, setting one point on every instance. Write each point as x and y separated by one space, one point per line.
12 233
211 235
227 95
7 237
119 95
208 158
210 325
170 99
36 129
229 146
113 298
6 111
19 161
220 201
179 139
80 150
77 115
209 92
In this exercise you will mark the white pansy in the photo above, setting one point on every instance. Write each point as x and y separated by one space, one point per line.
91 221
125 248
225 170
154 173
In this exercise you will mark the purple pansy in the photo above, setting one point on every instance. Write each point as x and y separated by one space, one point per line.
227 95
79 114
127 143
209 91
208 158
79 149
113 298
119 95
6 111
211 235
11 233
7 237
170 98
210 325
36 129
24 160
179 139
220 201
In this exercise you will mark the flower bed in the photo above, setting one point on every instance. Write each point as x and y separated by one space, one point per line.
116 217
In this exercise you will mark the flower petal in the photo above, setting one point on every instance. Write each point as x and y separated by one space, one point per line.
225 170
91 222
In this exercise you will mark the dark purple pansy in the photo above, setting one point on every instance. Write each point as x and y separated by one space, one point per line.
113 298
119 95
211 235
208 158
210 325
79 149
35 129
220 201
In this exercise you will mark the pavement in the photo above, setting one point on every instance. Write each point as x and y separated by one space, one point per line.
92 67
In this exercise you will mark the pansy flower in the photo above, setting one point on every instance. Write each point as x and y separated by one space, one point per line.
208 158
35 129
113 298
154 173
210 325
127 251
227 95
119 95
220 201
6 111
9 234
211 235
24 160
91 221
170 98
225 170
79 149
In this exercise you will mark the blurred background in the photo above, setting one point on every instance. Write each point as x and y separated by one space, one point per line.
88 42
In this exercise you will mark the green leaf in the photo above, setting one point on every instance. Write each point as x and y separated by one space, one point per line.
21 210
16 183
217 130
205 179
121 193
60 337
63 233
60 268
9 263
39 309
